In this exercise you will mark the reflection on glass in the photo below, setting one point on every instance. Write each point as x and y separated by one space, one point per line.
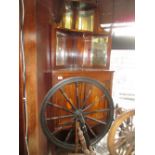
60 53
85 20
67 20
99 50
78 51
95 51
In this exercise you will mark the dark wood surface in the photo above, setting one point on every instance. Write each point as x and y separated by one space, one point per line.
104 76
36 48
31 76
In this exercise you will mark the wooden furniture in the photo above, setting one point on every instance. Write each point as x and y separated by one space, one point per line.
84 54
78 57
39 50
101 75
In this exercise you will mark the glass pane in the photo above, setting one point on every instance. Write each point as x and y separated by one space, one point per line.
69 50
80 51
95 51
85 20
60 50
67 20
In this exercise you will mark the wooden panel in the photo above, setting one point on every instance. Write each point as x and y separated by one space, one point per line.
43 60
101 75
44 17
105 8
37 61
31 76
116 11
57 9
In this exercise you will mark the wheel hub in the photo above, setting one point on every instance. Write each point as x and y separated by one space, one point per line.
78 113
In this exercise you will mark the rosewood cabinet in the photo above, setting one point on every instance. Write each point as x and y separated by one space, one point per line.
80 53
83 53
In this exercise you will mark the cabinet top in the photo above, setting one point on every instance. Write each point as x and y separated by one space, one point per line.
82 32
81 70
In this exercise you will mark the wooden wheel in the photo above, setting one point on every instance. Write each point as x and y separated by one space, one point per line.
121 137
76 99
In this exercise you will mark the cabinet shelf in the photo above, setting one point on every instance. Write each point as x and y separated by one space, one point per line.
81 32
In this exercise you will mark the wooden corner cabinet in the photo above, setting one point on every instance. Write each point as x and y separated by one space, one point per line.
80 53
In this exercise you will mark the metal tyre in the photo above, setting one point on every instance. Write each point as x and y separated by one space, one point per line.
59 127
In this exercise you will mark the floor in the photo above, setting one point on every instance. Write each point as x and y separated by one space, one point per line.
101 147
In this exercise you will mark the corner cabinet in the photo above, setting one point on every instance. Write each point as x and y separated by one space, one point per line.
81 53
80 60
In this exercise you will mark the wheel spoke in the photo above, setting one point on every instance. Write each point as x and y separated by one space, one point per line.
84 95
59 107
67 99
90 105
90 129
120 142
130 149
123 151
119 151
96 120
96 111
77 94
61 127
57 130
86 98
59 117
69 134
119 138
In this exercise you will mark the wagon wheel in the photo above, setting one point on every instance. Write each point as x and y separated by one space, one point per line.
61 108
121 137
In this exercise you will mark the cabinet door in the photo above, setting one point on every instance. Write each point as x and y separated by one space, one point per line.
91 92
69 51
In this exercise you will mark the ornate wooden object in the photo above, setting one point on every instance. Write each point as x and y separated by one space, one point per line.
78 52
76 99
121 137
